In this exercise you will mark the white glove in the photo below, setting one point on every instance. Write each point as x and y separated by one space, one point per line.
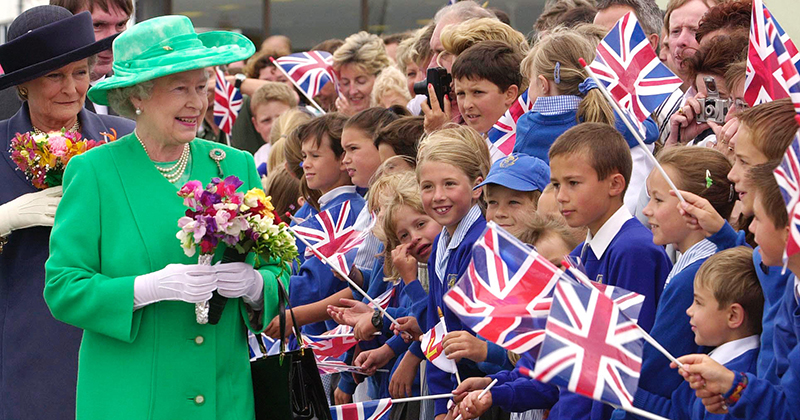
28 210
240 279
189 283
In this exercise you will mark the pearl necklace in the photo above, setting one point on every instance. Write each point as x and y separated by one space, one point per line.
75 128
175 172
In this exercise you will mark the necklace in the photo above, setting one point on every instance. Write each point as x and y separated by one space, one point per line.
171 173
75 128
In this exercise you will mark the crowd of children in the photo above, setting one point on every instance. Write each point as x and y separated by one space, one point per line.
577 187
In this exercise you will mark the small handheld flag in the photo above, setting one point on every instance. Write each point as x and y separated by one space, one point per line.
788 176
503 135
432 348
506 292
332 234
591 347
227 102
368 410
773 61
630 70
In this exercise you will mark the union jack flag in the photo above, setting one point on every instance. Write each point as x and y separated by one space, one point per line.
368 410
227 103
506 292
341 339
773 61
332 235
632 73
788 175
591 347
310 70
384 299
503 134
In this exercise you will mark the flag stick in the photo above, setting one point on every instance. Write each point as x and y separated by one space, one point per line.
633 131
485 390
444 327
349 368
324 336
421 398
647 337
313 102
343 275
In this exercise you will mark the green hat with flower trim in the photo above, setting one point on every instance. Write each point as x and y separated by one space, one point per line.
167 45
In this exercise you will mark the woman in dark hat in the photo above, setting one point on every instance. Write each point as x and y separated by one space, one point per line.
48 58
116 269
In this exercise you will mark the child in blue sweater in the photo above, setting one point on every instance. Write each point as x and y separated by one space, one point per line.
589 178
741 393
701 171
725 314
324 171
450 165
564 96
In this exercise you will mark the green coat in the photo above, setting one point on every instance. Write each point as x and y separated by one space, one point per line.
117 220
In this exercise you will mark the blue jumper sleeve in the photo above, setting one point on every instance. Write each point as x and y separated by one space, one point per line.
727 237
516 392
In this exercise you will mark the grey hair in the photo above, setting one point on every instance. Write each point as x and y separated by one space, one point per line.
120 99
647 13
463 10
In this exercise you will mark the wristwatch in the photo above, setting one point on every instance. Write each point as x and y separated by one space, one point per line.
377 320
239 79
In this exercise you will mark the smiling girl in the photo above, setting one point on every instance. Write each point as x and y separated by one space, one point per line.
700 171
450 163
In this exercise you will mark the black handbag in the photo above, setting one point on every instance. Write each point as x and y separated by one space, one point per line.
287 385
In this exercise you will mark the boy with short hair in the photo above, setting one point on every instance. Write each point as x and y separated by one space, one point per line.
726 314
266 105
324 171
590 168
590 165
512 189
487 81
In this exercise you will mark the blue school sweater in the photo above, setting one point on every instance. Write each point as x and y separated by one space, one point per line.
683 403
304 212
314 280
440 382
785 340
536 132
515 392
631 261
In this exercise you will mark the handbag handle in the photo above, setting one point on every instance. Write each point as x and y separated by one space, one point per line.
283 301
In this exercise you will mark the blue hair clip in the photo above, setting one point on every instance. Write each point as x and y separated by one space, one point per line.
557 73
587 85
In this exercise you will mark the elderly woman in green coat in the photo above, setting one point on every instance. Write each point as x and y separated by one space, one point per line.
116 269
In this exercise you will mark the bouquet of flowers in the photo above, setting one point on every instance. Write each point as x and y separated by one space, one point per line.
43 157
244 222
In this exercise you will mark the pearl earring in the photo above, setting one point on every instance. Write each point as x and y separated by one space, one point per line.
138 111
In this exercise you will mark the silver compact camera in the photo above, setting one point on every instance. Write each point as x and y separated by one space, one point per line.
712 107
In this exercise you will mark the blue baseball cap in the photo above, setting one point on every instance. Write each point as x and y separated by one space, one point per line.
519 172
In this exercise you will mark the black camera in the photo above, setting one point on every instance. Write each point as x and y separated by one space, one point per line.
713 108
440 79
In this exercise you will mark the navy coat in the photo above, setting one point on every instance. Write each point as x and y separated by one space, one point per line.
38 355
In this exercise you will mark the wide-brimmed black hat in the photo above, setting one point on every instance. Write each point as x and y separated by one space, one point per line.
46 38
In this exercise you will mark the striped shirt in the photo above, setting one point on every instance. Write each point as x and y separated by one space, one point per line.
700 250
446 245
554 105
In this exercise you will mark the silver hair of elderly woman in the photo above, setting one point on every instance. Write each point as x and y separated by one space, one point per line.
120 99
